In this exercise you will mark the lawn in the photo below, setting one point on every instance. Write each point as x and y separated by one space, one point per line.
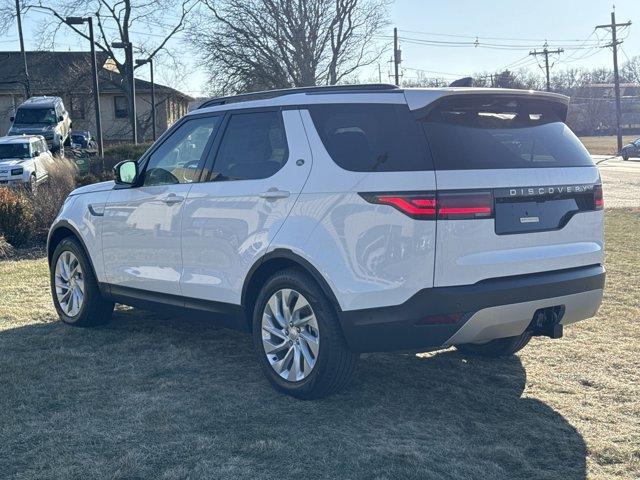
155 397
607 145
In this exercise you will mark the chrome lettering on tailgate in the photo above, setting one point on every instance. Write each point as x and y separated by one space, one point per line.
543 191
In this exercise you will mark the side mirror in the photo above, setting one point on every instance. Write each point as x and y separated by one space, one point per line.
36 153
11 119
60 118
126 172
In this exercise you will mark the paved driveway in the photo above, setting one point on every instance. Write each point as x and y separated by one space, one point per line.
620 180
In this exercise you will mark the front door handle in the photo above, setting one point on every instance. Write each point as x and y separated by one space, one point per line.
172 199
274 194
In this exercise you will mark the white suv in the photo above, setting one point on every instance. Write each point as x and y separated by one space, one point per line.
24 161
339 220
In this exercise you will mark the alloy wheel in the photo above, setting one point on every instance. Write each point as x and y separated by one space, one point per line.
69 283
290 335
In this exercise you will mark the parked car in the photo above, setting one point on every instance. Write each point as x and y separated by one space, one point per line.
45 116
82 139
631 150
340 220
24 161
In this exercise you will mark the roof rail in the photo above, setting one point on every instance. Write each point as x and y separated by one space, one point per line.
266 94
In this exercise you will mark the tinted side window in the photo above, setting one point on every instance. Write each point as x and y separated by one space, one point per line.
372 137
178 158
254 146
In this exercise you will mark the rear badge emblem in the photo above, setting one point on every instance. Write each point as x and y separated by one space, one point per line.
529 219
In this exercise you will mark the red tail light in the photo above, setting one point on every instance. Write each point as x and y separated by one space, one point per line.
465 205
420 206
444 206
598 198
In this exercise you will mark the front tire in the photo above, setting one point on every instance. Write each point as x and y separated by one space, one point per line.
297 337
498 348
74 287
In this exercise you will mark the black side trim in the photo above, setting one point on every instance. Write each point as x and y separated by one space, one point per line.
396 328
228 314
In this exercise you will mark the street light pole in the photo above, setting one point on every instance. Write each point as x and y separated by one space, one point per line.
96 87
24 53
128 48
153 94
96 92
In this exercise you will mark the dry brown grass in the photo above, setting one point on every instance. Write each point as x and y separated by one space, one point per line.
50 196
157 397
606 145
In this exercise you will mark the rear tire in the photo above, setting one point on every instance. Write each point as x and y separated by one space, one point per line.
333 364
500 347
625 157
93 308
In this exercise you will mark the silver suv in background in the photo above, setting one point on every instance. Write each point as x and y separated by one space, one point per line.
44 116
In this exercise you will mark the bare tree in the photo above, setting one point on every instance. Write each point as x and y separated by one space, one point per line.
117 21
252 45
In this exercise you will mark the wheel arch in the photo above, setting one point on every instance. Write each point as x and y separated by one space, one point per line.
62 230
271 263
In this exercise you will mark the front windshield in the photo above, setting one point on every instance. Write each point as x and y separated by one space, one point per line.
14 150
36 115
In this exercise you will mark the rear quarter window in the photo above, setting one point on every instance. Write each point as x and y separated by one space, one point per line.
372 137
478 132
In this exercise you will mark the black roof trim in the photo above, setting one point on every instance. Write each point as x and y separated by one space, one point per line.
266 94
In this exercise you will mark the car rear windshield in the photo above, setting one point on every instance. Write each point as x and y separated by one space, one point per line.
372 137
14 150
479 132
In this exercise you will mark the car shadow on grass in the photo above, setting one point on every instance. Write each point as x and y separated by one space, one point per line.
156 397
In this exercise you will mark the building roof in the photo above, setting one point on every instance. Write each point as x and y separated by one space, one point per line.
55 73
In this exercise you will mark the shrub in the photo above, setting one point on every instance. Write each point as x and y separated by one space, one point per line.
6 250
50 196
115 154
17 222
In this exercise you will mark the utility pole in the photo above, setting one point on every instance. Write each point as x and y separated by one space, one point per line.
133 116
153 93
616 78
24 53
546 52
379 74
94 74
397 57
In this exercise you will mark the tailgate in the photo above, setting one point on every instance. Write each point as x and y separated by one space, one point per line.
537 193
534 230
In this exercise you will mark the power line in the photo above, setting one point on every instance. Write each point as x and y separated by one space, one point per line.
558 40
616 77
545 53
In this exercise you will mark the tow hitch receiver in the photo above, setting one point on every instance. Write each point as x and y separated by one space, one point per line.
546 322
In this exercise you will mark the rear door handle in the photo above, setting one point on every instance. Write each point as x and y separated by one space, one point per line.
274 194
172 199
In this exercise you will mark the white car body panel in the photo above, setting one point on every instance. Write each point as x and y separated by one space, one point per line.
370 255
141 239
228 226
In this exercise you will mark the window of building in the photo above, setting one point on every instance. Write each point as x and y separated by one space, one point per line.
121 106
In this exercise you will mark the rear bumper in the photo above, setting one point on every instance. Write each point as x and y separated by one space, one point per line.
495 308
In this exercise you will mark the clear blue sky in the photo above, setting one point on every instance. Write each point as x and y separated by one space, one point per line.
511 27
501 22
